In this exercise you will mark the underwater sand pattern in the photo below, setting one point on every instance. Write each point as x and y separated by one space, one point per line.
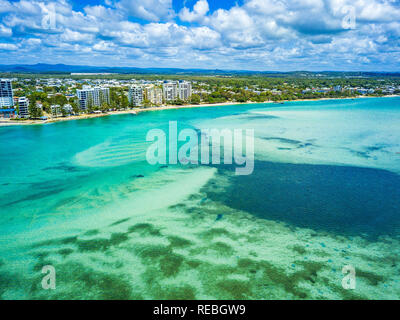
115 228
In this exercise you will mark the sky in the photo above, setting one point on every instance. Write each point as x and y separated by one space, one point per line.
260 35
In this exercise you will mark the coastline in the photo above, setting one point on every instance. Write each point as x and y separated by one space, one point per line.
135 111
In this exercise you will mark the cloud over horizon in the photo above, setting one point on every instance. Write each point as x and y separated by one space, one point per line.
279 35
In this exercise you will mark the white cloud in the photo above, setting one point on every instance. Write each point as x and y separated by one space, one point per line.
4 31
102 13
200 9
203 38
8 46
104 46
150 10
75 36
260 34
5 6
266 7
374 11
33 41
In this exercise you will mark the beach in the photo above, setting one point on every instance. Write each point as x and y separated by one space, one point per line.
110 113
172 107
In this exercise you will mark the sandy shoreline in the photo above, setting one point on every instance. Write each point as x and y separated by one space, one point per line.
135 111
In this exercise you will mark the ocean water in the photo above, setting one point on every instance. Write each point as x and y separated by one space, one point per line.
324 194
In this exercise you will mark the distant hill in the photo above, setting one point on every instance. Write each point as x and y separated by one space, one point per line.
62 68
42 68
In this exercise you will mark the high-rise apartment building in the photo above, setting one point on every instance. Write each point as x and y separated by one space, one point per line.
85 97
92 97
23 106
6 93
170 90
173 90
154 95
135 96
184 90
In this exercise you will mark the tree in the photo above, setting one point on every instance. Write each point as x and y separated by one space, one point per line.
146 103
46 107
64 112
59 99
114 98
89 104
34 111
74 106
195 99
104 107
124 101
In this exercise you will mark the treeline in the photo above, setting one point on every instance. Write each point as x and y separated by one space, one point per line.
240 95
47 101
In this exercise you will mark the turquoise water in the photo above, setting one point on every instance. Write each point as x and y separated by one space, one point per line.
80 195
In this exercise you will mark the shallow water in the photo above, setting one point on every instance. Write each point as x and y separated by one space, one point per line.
324 193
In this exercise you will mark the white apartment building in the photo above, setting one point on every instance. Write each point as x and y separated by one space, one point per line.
185 90
101 95
135 96
85 97
68 109
89 96
23 105
170 90
154 95
56 110
173 90
6 93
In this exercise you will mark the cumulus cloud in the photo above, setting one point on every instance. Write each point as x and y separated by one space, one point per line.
104 46
8 46
102 13
257 34
200 9
33 41
150 10
75 36
5 6
4 31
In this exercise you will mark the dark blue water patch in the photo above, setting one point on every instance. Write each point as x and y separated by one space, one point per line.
337 199
360 154
284 140
137 176
259 117
64 167
376 147
294 143
33 196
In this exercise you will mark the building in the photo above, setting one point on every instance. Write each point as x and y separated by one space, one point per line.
7 113
68 109
337 88
92 97
56 110
184 90
23 106
170 90
101 96
6 93
85 97
135 96
154 95
173 90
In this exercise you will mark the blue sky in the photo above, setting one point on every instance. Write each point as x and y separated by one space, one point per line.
276 35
